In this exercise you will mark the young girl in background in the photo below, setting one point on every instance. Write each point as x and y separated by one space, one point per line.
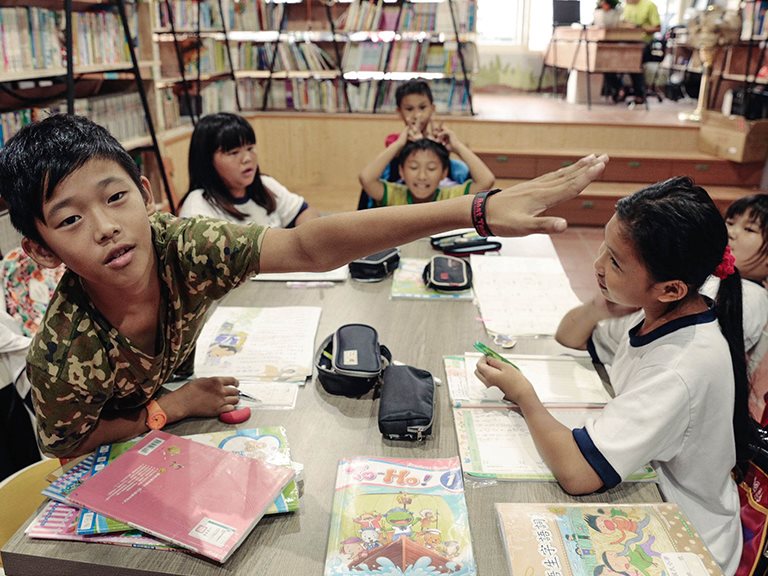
225 181
679 374
747 222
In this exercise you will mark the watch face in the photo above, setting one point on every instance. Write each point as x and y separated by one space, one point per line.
156 417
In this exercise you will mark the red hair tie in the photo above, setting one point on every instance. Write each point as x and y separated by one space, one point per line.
726 266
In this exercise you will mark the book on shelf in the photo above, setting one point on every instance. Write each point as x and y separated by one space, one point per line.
497 444
398 516
588 539
192 495
563 381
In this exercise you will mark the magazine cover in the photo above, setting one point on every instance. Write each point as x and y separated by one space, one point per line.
196 496
594 539
399 517
60 488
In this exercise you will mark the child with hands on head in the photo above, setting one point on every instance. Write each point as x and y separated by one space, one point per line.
415 107
138 285
423 163
225 180
678 374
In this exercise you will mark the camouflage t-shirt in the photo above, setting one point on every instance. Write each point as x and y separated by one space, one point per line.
81 366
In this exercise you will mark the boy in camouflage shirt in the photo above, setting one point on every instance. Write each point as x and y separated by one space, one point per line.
129 308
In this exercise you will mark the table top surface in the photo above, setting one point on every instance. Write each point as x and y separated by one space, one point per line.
323 429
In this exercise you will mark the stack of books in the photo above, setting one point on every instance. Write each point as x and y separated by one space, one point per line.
201 493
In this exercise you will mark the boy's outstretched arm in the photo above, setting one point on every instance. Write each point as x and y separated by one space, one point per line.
370 176
553 440
331 241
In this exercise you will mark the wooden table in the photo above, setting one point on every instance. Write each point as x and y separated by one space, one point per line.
595 50
321 430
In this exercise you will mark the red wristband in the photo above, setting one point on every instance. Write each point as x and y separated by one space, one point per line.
478 212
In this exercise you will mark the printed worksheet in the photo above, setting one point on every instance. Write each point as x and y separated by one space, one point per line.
519 296
258 344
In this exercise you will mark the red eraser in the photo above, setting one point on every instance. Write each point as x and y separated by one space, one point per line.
235 416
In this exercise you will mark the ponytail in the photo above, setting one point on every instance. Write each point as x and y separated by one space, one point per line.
730 317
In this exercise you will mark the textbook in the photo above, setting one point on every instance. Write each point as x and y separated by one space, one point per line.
399 516
269 444
589 539
558 381
60 488
195 496
271 344
497 444
57 521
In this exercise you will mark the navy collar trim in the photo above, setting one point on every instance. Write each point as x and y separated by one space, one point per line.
240 201
636 340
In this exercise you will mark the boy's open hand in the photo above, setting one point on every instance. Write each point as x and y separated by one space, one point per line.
514 211
206 397
505 377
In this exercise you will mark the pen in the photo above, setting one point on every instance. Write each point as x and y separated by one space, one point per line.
247 396
322 284
483 349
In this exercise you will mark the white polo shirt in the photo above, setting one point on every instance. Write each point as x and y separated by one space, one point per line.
288 207
674 408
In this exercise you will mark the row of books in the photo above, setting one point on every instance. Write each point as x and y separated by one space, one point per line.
422 16
301 56
407 57
754 22
185 15
202 493
122 114
450 96
29 39
301 94
98 38
214 97
205 53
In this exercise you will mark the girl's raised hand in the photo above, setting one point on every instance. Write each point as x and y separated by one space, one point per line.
515 211
505 377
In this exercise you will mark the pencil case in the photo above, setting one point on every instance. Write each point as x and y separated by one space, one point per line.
349 362
465 243
447 274
375 267
407 404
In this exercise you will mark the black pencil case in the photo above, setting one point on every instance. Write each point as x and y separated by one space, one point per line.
447 274
407 404
465 243
349 362
375 267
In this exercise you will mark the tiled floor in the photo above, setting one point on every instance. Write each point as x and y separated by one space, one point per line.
577 248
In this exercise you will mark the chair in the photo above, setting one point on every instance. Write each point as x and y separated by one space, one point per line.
20 495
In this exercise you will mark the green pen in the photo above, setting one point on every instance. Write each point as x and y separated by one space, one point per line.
483 349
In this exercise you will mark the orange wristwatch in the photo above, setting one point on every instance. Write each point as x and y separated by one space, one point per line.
156 416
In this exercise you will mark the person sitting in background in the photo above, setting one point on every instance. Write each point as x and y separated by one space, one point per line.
641 14
423 164
415 106
225 181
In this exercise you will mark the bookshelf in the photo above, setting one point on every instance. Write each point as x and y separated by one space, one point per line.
317 55
86 57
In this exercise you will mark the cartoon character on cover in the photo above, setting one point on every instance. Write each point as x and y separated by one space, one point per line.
370 537
451 548
430 539
368 520
427 517
401 521
618 521
227 342
638 562
351 547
